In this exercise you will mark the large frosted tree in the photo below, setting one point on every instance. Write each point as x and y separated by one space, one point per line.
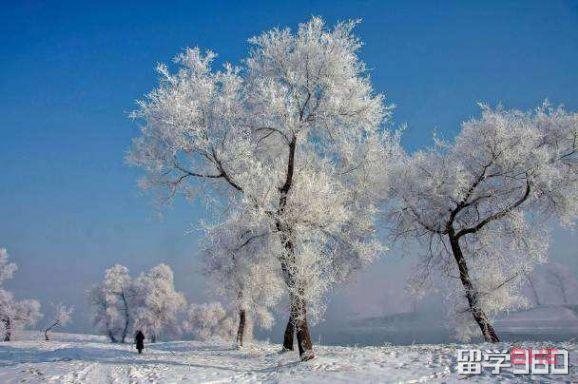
293 135
480 205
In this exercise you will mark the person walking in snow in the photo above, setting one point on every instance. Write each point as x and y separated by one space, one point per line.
139 341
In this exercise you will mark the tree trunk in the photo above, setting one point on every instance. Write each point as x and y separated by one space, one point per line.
298 324
302 328
242 327
298 311
111 336
297 321
288 337
471 293
533 289
563 290
8 324
126 318
55 324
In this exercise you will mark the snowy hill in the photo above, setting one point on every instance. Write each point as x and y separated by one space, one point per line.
89 359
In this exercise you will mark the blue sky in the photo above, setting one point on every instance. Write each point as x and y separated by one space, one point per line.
70 71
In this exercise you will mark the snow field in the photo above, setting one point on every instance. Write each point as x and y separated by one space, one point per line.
82 359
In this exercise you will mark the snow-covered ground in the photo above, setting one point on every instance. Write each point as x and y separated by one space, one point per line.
90 359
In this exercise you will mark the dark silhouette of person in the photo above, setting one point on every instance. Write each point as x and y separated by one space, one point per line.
139 341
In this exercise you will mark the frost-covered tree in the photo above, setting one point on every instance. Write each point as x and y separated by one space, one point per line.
238 262
155 303
208 321
481 203
62 316
564 281
294 135
7 268
110 302
533 290
550 284
14 314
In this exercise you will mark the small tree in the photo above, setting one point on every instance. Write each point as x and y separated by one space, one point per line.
209 320
563 279
156 304
7 268
532 287
110 303
475 204
239 263
62 316
14 314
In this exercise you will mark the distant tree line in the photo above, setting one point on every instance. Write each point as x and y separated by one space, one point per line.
122 305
